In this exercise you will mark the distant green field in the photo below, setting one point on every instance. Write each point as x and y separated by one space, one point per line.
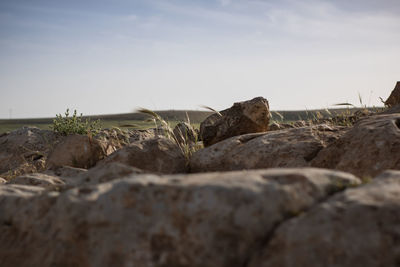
123 121
141 121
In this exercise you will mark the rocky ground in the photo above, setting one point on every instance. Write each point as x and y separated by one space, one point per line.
306 194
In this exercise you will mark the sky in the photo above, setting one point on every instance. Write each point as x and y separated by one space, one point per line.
114 56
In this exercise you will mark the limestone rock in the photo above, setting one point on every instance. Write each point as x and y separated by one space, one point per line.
358 227
160 155
39 179
243 117
294 147
371 146
66 171
394 98
25 150
115 137
274 126
140 135
101 174
78 151
198 220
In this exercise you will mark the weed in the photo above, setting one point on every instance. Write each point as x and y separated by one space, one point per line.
75 124
186 142
211 109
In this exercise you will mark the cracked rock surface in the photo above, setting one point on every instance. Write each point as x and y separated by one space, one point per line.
294 147
357 227
367 149
212 219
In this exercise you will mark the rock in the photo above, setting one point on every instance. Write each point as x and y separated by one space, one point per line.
184 133
66 171
25 150
274 126
140 135
358 227
294 147
2 180
391 110
48 182
78 151
243 117
371 146
101 174
115 137
214 219
160 155
394 98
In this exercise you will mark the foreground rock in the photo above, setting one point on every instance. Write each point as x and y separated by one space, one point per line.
359 227
294 147
371 146
394 98
244 117
215 219
79 151
160 155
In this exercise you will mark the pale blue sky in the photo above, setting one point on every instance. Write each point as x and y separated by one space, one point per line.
113 56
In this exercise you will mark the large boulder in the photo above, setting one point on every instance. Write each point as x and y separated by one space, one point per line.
394 98
198 220
243 117
79 151
25 150
371 146
160 155
358 227
294 147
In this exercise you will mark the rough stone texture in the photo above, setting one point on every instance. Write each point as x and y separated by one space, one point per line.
358 227
394 98
39 179
141 135
371 146
78 151
243 117
25 150
115 137
101 174
285 148
215 219
160 155
184 133
66 171
67 177
297 124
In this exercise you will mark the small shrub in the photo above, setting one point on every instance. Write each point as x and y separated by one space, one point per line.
75 124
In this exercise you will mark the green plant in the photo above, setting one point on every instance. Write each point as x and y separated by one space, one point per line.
75 124
184 142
